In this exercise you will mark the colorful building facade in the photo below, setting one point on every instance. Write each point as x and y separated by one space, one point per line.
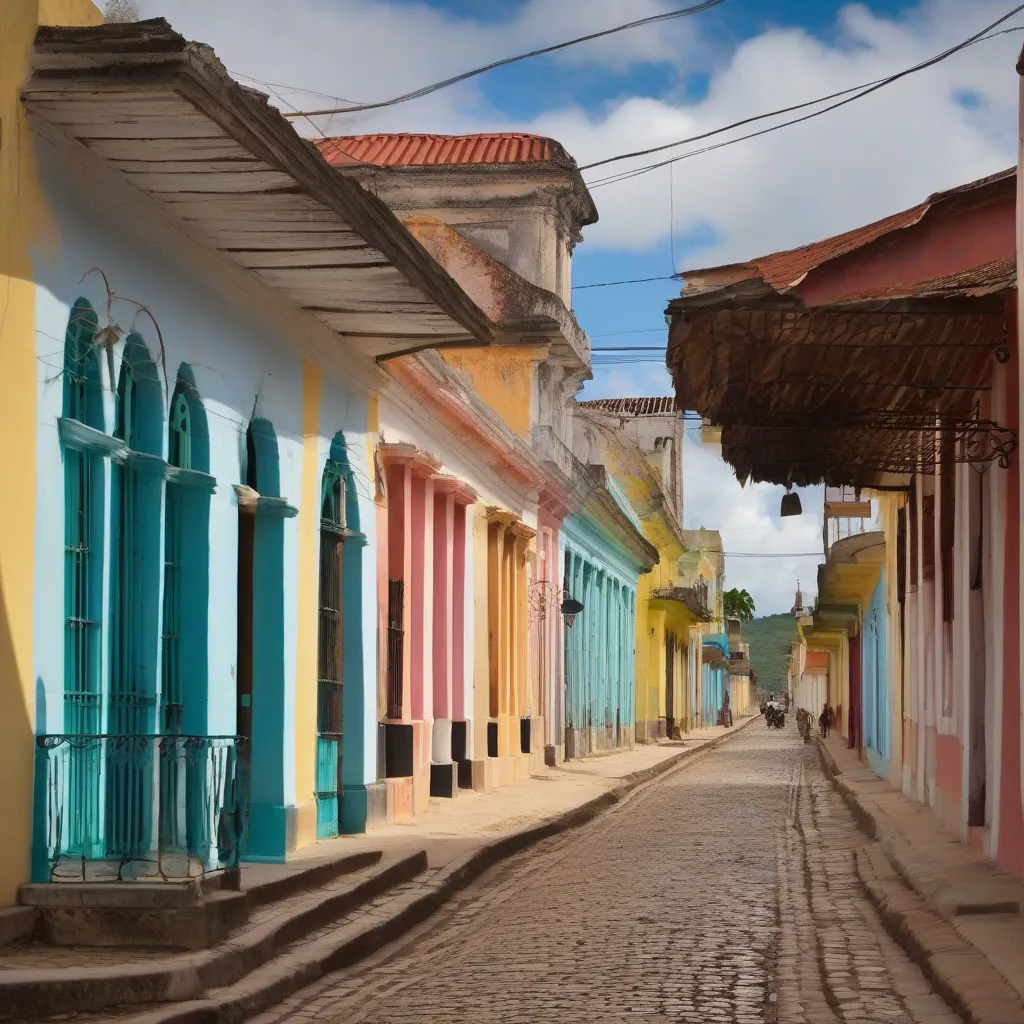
920 615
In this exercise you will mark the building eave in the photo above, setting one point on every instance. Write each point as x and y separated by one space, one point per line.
254 177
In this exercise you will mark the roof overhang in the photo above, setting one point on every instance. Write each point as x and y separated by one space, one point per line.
847 361
518 310
847 393
224 164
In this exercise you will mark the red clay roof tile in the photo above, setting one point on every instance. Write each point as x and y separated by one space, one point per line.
651 406
403 149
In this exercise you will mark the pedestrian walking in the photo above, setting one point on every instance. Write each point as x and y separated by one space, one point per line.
823 720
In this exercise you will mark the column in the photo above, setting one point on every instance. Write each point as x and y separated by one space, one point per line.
443 615
421 598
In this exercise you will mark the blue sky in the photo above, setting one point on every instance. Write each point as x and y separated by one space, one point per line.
946 126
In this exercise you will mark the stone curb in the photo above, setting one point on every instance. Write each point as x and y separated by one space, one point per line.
958 970
280 978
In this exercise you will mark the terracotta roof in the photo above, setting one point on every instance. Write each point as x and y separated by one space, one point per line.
785 269
816 659
404 149
651 406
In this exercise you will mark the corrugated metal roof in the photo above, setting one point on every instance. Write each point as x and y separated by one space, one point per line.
405 149
658 405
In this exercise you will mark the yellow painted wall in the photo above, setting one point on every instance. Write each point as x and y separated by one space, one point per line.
503 377
308 619
22 222
67 12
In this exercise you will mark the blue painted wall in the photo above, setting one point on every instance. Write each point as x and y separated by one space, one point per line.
241 367
877 701
600 648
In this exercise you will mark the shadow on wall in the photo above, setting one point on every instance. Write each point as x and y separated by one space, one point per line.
16 759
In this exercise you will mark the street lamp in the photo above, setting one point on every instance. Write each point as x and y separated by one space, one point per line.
570 609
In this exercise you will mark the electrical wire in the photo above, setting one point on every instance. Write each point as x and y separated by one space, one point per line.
426 90
859 92
773 554
613 284
762 117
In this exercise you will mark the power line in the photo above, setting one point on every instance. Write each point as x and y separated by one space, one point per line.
761 117
859 93
426 90
634 280
619 334
773 554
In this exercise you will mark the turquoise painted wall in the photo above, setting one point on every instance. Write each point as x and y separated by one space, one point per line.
875 674
600 648
241 367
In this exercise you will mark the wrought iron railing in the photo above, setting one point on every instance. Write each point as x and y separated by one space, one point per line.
127 807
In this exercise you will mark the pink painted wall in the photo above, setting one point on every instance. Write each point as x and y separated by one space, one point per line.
459 710
948 776
944 243
444 523
421 529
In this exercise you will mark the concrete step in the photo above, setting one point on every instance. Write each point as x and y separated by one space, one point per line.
40 982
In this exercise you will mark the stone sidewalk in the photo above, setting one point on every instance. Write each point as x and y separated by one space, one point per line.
452 828
292 942
952 909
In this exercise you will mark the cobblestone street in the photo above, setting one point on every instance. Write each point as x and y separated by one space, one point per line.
691 901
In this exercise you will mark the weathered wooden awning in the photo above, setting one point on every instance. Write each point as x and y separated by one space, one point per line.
845 389
223 163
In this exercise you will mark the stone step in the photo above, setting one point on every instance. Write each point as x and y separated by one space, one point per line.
284 914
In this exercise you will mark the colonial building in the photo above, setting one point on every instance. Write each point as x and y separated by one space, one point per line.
883 360
640 439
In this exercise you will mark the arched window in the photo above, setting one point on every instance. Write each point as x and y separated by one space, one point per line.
83 579
136 491
184 526
330 648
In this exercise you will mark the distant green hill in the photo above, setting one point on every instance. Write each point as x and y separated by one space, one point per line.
769 638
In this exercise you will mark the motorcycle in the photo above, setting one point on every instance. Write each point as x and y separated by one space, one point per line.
775 718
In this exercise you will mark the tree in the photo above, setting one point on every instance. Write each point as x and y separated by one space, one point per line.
739 602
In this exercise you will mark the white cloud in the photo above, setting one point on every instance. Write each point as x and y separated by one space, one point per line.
792 186
868 159
748 518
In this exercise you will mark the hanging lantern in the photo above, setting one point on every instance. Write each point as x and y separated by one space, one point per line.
791 505
570 609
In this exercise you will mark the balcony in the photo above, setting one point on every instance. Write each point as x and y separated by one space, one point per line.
694 597
122 808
